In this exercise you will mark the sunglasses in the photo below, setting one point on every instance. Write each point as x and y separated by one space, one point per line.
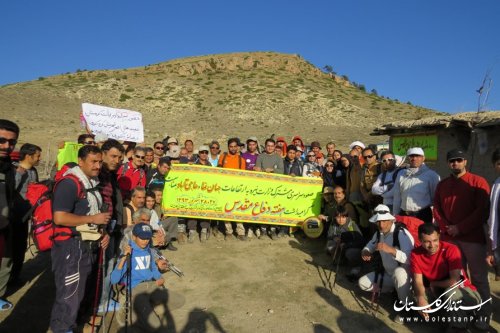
89 142
329 165
414 156
453 160
140 156
381 212
214 147
203 152
160 148
12 142
311 155
387 160
368 156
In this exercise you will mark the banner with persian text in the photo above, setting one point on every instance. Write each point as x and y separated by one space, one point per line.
69 153
119 124
238 195
428 142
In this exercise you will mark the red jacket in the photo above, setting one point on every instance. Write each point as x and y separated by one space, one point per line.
129 178
463 202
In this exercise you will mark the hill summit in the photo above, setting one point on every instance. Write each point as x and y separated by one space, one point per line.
208 97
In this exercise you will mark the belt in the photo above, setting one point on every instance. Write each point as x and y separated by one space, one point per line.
415 212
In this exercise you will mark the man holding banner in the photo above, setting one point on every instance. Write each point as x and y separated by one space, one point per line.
233 160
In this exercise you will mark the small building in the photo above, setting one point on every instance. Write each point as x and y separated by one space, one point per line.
477 133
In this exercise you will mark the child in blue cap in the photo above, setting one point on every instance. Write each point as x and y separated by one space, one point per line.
145 281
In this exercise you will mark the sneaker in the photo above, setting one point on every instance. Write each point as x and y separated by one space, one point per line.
5 305
191 236
181 237
263 233
203 235
171 247
250 234
112 306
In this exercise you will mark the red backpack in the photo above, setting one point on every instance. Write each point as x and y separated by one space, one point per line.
411 224
43 230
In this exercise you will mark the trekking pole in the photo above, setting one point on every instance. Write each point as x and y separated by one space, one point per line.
128 291
170 265
97 288
333 262
338 265
376 293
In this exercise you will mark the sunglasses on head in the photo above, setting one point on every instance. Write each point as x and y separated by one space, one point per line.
458 160
140 156
387 160
12 142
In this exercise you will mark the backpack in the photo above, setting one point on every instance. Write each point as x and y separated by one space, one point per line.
43 231
142 173
411 224
394 176
403 223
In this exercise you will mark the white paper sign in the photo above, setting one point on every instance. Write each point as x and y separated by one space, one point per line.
119 124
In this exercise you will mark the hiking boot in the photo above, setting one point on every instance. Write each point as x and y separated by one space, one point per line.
171 247
229 237
191 236
181 237
242 237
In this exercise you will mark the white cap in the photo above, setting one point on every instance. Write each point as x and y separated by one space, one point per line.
415 151
203 147
357 143
382 213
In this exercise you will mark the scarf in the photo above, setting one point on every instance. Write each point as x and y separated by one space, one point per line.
494 213
88 231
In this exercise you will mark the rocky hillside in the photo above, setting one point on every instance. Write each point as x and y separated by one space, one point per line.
208 97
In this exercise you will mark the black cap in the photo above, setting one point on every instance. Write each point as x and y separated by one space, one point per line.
455 153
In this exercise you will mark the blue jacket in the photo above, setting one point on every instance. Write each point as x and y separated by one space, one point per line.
143 267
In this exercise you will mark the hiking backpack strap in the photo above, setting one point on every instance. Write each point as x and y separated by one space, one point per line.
224 155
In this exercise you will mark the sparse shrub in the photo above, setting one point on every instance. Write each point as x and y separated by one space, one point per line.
124 97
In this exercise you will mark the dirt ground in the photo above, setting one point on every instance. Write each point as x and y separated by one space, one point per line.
234 286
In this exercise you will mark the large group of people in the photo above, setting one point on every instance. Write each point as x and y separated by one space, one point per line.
107 214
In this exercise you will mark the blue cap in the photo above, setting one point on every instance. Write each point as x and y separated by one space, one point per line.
143 231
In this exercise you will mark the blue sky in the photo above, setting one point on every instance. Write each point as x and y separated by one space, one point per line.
432 53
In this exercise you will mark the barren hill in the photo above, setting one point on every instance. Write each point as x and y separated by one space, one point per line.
206 97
